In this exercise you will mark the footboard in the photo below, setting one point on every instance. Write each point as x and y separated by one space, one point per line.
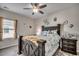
28 48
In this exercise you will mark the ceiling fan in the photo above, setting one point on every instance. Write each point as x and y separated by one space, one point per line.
36 7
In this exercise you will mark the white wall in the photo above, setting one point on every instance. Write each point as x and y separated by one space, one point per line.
23 22
70 14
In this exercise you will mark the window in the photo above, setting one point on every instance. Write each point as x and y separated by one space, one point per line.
9 28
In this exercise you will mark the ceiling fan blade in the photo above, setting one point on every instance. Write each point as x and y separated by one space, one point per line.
34 4
27 8
41 12
42 6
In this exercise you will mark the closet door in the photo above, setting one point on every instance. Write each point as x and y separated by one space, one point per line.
1 31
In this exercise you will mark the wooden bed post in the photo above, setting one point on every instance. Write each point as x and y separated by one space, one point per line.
59 32
20 45
41 47
59 29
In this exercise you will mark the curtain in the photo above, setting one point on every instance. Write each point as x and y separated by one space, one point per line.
9 28
1 29
15 29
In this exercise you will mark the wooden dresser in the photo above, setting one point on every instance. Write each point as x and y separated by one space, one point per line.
69 45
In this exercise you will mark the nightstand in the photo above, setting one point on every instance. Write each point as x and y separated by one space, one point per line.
69 45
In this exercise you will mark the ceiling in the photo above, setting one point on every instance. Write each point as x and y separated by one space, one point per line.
51 8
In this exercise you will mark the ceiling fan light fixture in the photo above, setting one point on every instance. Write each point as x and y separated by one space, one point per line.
35 10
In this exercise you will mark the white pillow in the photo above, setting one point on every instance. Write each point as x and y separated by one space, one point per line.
54 31
44 33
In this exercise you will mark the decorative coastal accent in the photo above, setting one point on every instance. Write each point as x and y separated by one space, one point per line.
71 26
65 22
30 26
55 19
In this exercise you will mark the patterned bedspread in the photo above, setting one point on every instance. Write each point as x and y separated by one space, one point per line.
52 41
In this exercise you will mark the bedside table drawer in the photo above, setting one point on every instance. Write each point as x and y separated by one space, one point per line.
69 47
71 42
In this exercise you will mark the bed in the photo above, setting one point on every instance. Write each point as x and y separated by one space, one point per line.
45 44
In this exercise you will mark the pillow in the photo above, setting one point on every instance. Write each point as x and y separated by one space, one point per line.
44 33
53 35
49 32
54 31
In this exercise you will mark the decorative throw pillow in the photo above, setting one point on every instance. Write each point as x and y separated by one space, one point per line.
44 33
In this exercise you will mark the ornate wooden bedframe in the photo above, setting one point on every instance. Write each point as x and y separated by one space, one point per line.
28 48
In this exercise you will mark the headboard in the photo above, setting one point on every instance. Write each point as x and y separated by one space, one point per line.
50 28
